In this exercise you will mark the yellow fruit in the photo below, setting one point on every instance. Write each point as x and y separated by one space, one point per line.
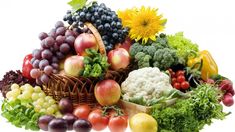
143 122
15 86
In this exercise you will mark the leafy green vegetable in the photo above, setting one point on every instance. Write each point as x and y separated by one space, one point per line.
77 4
95 64
20 115
183 45
190 115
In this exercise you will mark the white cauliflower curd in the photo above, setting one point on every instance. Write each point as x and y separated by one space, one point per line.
146 83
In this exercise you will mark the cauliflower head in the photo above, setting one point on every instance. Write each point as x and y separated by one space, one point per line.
147 83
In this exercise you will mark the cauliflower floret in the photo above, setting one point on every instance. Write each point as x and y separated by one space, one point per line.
147 82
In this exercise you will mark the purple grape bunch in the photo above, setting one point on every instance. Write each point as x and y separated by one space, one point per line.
55 45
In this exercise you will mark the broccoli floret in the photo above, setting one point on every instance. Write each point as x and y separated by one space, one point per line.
143 59
161 42
135 48
150 50
139 55
165 58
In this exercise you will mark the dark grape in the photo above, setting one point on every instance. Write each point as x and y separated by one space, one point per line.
81 24
60 39
49 41
96 15
55 59
115 35
44 78
107 26
36 63
88 16
48 69
32 60
60 55
59 24
70 40
56 47
64 48
82 14
69 33
43 44
42 35
37 53
52 33
60 31
43 63
119 25
103 17
55 65
100 27
35 73
46 54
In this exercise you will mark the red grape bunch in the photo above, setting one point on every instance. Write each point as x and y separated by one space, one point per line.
55 45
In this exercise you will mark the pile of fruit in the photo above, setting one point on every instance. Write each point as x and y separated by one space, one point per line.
167 74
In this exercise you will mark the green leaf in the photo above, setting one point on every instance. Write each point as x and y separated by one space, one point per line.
96 70
77 4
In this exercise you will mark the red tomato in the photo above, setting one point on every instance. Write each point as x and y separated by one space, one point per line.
185 85
118 124
98 121
113 113
180 73
180 79
82 111
176 85
27 66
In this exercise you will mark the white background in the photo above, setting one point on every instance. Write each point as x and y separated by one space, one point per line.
210 23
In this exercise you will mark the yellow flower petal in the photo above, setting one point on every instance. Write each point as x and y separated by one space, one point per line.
144 23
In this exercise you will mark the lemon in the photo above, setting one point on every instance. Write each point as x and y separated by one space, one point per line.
143 122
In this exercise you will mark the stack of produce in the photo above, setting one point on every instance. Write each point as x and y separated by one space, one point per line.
134 71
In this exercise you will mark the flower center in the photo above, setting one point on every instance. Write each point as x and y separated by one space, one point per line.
145 23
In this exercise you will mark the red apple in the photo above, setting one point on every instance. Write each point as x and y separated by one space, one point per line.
61 62
118 58
27 66
85 41
73 65
126 44
107 92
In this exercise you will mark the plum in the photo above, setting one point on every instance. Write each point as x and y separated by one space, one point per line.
82 125
70 119
58 125
65 106
43 122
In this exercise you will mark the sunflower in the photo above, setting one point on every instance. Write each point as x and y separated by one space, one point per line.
126 16
144 23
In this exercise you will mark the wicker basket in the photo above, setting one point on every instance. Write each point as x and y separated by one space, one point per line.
81 90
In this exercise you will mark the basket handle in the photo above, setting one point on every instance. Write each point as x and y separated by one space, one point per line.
98 38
